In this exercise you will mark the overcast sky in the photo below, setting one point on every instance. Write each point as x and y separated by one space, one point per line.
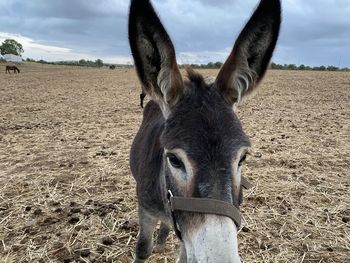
314 32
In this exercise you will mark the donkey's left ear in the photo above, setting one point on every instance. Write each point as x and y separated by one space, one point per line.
252 52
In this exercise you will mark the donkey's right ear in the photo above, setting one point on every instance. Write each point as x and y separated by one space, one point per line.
154 55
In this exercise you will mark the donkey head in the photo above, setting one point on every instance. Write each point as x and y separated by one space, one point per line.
203 141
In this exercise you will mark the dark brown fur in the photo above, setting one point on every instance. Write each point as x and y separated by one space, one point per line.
14 68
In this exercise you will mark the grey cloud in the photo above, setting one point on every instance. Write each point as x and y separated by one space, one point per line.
85 26
73 9
215 3
313 32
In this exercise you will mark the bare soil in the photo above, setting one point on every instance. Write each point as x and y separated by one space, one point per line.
66 193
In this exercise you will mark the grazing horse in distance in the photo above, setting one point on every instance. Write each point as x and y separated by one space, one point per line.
188 154
14 68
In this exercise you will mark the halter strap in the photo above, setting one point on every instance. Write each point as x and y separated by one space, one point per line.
204 206
245 183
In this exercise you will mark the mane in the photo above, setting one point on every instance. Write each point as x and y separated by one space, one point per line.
194 76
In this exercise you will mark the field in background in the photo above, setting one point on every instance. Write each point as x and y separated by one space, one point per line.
66 192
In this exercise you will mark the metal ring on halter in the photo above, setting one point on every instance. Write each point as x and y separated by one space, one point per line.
176 229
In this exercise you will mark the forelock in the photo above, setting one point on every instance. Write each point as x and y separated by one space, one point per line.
194 77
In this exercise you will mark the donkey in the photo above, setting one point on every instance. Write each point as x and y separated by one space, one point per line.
142 96
14 68
188 153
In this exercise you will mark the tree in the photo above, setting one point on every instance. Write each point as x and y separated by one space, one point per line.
82 62
276 66
30 60
302 67
210 65
99 62
11 46
292 67
218 64
332 68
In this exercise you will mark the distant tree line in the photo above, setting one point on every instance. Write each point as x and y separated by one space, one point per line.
303 67
11 46
210 65
216 65
80 63
89 63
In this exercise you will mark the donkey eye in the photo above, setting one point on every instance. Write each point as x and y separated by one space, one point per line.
242 160
174 161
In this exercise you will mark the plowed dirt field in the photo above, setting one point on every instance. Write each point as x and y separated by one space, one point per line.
66 193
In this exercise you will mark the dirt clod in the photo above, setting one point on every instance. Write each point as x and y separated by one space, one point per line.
346 219
73 220
38 211
107 241
58 210
72 204
75 210
245 229
130 225
85 253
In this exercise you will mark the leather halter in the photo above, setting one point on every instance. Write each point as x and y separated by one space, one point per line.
204 206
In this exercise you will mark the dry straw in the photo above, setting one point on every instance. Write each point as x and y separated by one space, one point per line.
66 193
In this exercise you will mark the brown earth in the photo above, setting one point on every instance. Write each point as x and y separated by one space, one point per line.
66 193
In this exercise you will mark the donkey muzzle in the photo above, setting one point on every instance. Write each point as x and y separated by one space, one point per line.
213 240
